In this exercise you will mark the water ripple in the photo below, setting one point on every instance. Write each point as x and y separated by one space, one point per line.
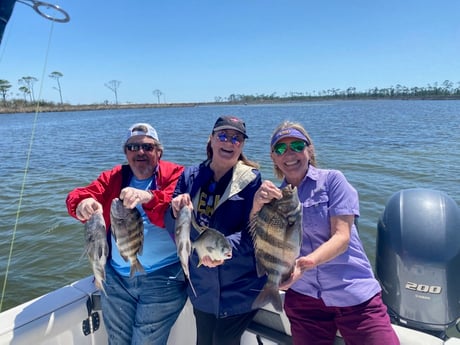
381 146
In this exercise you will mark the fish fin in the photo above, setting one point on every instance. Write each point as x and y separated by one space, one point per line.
197 227
191 286
85 253
287 275
103 290
261 270
99 284
114 235
136 266
269 294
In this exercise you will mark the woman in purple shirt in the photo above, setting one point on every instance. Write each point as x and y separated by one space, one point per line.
332 287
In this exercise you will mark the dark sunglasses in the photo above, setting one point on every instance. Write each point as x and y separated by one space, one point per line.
234 139
296 146
136 147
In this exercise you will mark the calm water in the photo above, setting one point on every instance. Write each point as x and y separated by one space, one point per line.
381 146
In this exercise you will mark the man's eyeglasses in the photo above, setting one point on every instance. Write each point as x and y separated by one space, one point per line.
296 146
234 139
136 147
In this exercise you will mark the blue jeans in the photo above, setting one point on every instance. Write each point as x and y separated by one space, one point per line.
142 309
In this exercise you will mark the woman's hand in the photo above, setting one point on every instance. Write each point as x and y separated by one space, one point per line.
180 201
266 193
302 264
208 262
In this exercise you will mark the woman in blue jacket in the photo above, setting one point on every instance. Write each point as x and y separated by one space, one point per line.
221 190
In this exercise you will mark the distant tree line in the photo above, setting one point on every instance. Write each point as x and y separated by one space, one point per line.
432 91
445 90
26 90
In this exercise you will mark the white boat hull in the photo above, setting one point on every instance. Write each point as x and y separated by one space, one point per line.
62 317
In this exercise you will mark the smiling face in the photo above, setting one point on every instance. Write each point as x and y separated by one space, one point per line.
226 146
142 159
293 164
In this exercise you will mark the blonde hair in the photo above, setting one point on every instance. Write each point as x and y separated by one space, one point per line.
311 148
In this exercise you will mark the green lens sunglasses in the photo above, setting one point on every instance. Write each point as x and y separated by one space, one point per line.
296 146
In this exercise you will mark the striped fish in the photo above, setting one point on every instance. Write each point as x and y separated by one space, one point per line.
128 231
183 242
277 235
96 247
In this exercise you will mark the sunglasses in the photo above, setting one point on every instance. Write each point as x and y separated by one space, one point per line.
136 147
234 139
296 146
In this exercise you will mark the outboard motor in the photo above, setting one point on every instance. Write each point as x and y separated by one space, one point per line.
418 260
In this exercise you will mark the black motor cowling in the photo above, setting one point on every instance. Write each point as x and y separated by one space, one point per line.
418 259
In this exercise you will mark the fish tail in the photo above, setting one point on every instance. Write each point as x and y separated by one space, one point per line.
99 283
103 290
191 286
136 267
270 293
101 287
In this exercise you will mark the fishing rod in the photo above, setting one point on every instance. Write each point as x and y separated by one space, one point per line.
44 9
48 11
55 14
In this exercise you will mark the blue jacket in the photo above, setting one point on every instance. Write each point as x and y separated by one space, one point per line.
230 288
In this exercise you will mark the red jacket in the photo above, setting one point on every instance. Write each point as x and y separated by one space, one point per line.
109 184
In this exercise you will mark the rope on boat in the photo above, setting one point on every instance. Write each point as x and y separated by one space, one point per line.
26 168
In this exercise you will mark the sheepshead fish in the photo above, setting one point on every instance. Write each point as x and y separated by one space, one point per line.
277 235
211 243
128 231
96 247
183 242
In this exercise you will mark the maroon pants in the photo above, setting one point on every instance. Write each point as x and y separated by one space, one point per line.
314 323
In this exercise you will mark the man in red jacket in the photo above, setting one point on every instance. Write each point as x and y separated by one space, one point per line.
142 308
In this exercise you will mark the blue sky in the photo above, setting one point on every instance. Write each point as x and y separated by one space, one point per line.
197 50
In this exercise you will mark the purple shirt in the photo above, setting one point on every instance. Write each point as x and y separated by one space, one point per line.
348 279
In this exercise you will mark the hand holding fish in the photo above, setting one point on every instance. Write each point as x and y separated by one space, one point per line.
87 207
132 197
266 193
180 201
208 262
302 264
277 234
